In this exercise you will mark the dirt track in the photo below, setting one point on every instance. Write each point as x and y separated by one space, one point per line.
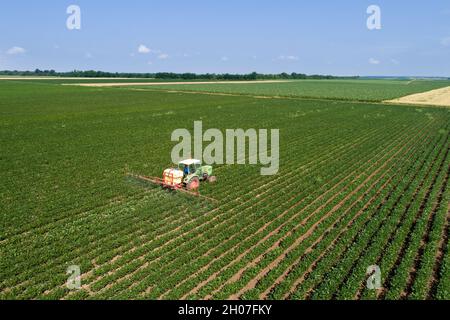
122 84
438 97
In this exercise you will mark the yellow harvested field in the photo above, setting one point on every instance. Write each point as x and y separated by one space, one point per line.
438 97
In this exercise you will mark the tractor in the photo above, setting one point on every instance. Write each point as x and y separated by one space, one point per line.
188 175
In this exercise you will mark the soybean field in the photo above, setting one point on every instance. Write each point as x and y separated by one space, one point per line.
360 184
351 90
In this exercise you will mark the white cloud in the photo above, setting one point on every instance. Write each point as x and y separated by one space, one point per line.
15 51
394 61
149 63
88 55
445 41
144 49
374 61
288 58
163 56
224 59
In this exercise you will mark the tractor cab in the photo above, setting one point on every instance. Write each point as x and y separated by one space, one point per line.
190 166
194 172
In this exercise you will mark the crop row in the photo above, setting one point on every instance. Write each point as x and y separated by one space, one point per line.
350 269
329 208
322 265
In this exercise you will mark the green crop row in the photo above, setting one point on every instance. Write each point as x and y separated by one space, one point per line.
327 208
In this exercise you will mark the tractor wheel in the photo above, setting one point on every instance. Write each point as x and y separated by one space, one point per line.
193 184
212 179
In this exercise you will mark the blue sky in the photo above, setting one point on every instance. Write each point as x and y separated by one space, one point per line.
235 36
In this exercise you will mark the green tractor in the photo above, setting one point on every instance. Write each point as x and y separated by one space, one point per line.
187 176
194 172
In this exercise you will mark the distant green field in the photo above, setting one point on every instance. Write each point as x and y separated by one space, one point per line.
87 80
359 184
361 90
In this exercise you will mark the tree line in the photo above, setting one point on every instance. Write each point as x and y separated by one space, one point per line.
170 75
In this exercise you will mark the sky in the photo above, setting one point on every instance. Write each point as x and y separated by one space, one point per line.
228 36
